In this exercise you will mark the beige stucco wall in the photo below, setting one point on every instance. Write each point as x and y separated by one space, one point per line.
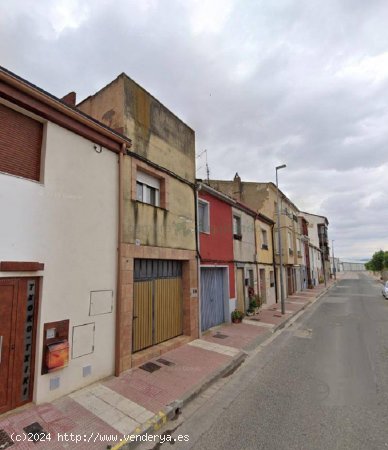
264 256
313 222
108 106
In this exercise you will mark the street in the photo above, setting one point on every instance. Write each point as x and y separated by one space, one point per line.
322 383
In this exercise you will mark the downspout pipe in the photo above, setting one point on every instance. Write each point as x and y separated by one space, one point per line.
256 256
197 188
119 255
274 264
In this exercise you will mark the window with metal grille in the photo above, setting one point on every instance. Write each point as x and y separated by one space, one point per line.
147 269
20 144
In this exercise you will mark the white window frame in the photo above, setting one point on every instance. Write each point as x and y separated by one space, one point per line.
147 183
206 224
237 232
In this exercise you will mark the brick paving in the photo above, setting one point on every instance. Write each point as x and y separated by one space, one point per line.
237 335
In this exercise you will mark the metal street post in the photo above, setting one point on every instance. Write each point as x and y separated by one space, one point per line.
282 300
334 268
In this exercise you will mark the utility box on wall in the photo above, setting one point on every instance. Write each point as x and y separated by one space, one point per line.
55 346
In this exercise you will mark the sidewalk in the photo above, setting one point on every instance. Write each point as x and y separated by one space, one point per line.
142 400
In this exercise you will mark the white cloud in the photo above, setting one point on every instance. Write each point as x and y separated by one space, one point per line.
208 16
373 68
300 82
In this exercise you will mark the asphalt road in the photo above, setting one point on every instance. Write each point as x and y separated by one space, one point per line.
322 383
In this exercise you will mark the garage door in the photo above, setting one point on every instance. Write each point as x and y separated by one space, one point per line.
157 302
212 297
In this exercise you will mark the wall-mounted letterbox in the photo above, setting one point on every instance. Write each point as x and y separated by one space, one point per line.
55 346
57 355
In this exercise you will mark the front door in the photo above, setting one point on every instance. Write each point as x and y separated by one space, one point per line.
263 286
240 290
17 340
289 281
212 297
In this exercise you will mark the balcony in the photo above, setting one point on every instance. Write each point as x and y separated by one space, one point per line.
264 246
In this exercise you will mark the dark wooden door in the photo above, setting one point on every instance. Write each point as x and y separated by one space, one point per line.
8 298
18 309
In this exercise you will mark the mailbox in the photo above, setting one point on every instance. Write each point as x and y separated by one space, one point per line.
57 355
55 346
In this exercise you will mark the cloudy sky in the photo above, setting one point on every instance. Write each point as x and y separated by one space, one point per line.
300 82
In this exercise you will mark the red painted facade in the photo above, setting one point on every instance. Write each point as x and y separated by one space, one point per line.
216 247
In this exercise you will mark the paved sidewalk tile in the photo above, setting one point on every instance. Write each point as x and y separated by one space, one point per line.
214 347
239 335
155 390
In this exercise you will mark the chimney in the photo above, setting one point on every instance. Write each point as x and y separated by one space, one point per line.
237 188
70 99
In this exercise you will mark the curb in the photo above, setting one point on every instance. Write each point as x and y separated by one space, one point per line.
172 410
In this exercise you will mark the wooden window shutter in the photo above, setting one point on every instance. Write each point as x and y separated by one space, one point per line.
20 144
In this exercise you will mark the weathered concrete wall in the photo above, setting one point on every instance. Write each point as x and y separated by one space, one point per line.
245 249
172 226
161 137
156 133
107 106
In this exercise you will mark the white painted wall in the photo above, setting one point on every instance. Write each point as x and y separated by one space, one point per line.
245 249
69 222
313 227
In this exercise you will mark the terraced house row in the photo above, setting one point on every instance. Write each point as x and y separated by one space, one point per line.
111 252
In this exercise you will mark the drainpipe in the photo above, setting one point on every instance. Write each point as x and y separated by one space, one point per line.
257 250
119 241
274 265
197 188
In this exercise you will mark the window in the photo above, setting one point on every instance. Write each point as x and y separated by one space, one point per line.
298 247
203 216
237 227
147 189
290 244
251 278
20 144
264 239
271 279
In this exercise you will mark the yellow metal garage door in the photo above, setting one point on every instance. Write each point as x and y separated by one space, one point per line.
157 312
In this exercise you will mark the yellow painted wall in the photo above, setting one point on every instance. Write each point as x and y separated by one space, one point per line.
263 256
